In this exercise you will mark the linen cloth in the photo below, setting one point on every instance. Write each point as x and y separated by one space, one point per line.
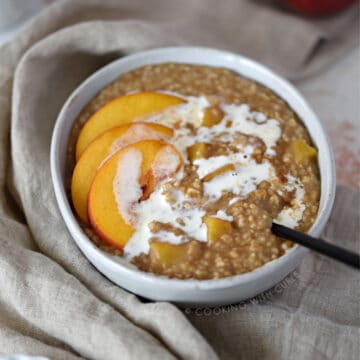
52 301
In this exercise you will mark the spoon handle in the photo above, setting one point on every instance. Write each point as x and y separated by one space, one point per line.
319 245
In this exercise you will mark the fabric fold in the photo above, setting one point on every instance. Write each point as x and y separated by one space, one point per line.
34 114
280 39
54 307
16 342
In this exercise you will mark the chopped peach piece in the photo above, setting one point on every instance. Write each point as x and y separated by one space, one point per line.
217 172
120 183
212 116
196 151
101 149
168 254
122 110
302 151
216 227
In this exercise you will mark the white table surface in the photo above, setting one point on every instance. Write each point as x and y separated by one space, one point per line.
334 94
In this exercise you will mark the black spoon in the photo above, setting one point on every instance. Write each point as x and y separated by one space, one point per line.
321 246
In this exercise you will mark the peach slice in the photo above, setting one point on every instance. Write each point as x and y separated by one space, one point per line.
216 227
122 110
101 149
302 151
130 175
168 254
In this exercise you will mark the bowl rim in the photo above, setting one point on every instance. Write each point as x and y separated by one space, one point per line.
127 269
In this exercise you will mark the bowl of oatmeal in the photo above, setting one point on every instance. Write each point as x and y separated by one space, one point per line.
170 165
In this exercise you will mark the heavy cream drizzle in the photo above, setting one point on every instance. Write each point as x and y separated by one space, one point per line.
157 208
242 181
291 216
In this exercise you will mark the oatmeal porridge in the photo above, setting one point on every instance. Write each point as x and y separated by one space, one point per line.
181 169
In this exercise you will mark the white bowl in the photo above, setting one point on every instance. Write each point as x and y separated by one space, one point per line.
189 292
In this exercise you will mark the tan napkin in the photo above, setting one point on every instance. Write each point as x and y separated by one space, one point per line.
52 301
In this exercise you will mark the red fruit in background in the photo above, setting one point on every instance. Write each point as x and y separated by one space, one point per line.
319 7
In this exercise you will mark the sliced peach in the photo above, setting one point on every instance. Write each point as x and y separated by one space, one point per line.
101 149
212 116
121 183
302 151
122 110
196 151
217 172
168 254
216 227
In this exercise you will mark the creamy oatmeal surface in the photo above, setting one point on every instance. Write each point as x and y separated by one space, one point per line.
242 148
